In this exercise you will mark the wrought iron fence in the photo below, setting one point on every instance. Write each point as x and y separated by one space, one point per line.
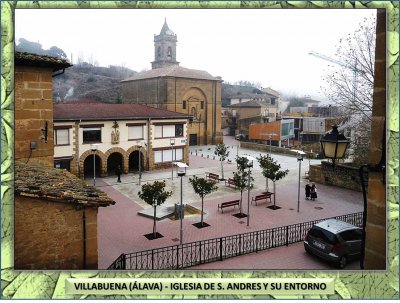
218 249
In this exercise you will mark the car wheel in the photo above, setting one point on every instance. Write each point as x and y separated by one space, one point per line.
342 262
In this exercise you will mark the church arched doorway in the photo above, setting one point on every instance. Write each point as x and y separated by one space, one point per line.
89 166
134 161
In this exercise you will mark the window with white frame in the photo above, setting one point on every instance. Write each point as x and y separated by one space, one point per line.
61 136
168 130
92 135
135 132
165 155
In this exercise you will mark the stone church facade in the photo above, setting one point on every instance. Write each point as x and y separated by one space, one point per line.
172 87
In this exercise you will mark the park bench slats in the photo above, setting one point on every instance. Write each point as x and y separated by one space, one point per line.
228 204
264 196
230 182
212 176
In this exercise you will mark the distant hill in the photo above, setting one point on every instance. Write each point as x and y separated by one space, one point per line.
229 90
85 81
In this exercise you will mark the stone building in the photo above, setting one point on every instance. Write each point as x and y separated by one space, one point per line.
55 213
123 134
172 87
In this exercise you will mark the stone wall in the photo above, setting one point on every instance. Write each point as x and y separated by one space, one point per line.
49 235
341 175
33 108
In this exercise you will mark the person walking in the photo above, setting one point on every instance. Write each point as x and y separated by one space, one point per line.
308 191
118 172
313 192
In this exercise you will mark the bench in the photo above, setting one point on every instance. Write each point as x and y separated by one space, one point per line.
264 196
230 182
212 176
227 204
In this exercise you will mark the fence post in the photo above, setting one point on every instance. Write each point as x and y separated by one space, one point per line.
123 261
220 249
200 252
256 241
240 244
287 235
177 256
152 259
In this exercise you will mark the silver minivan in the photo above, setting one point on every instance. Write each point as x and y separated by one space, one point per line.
335 241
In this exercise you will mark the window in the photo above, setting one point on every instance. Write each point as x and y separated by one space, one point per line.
184 104
159 52
61 136
178 130
169 53
165 155
168 131
91 135
135 132
202 104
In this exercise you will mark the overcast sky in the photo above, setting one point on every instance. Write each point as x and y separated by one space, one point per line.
269 46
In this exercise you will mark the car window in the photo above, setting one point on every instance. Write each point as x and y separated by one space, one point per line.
323 235
351 235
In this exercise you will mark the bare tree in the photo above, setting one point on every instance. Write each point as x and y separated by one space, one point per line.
350 84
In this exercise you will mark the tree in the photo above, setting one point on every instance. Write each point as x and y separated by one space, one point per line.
154 195
241 179
222 152
56 52
350 83
271 170
30 47
202 187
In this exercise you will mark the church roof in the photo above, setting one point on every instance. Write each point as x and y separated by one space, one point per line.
165 29
172 71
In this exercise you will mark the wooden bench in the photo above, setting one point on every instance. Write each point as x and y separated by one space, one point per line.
212 176
227 204
230 182
264 196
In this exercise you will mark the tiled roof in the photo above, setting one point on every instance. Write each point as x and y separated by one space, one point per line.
24 58
270 91
39 181
108 111
173 71
251 103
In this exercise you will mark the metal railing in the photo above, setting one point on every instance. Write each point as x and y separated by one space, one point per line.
218 249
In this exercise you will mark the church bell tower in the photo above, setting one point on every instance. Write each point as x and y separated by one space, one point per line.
164 48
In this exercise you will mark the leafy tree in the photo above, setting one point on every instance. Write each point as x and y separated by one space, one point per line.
271 170
30 47
241 179
154 195
222 152
202 187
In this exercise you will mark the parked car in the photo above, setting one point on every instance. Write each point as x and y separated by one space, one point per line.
335 241
241 137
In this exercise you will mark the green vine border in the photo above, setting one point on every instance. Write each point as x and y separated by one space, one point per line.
51 285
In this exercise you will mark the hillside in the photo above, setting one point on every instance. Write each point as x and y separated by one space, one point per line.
90 82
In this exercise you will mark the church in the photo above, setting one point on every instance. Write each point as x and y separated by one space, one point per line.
175 88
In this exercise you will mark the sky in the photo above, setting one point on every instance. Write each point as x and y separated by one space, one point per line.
268 46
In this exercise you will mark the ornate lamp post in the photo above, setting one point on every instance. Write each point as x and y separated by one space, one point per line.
139 145
93 147
334 145
181 173
172 143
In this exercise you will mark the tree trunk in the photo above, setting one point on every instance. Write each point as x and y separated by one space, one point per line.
154 223
202 208
274 195
222 170
266 184
241 198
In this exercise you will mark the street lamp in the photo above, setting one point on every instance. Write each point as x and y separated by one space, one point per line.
181 173
334 145
139 145
270 137
300 154
172 143
93 147
249 166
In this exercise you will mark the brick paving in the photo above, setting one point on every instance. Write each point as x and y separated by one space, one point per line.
122 230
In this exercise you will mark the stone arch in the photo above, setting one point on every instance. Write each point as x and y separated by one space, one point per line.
194 98
122 152
143 156
99 154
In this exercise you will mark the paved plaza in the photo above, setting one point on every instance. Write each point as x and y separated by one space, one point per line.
122 230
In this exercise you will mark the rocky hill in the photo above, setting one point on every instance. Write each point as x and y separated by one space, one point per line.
86 81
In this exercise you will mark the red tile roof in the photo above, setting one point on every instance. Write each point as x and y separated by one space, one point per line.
24 58
109 111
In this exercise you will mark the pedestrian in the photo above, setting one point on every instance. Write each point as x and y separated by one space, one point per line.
308 191
313 192
118 172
